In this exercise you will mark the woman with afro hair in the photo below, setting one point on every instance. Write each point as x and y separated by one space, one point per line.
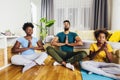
26 46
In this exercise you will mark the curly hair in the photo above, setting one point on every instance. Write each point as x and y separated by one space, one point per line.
97 32
26 25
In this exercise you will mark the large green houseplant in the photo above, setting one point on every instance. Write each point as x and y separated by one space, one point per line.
43 26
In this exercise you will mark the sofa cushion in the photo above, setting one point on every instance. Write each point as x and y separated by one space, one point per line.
117 53
48 38
86 44
86 35
109 35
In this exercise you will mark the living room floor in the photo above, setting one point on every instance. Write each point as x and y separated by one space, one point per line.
47 72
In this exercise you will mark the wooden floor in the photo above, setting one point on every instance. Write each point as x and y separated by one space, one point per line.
47 72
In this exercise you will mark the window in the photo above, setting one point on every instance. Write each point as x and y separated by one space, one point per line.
77 11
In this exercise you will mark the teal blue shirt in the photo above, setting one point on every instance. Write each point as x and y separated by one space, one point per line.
71 39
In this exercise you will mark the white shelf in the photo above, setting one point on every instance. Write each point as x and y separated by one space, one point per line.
9 36
6 41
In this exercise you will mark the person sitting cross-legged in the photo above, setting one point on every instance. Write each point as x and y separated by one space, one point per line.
66 41
26 46
101 58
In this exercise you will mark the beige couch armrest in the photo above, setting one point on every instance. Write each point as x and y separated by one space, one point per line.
117 57
117 53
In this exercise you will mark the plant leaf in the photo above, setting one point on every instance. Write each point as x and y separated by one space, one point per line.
43 20
49 23
37 25
43 34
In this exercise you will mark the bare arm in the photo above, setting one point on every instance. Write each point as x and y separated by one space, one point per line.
108 55
16 48
93 54
55 42
78 42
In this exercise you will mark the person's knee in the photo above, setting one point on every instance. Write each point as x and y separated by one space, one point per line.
45 54
49 48
14 59
84 64
83 53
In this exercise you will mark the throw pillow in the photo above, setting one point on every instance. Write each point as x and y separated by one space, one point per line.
115 37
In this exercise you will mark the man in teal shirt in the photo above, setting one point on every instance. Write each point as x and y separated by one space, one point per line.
71 39
66 41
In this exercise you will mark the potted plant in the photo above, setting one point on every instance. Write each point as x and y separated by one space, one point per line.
8 32
43 26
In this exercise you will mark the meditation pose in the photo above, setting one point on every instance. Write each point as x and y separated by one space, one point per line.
66 41
100 57
26 46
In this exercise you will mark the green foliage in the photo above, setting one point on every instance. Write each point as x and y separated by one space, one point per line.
49 23
43 26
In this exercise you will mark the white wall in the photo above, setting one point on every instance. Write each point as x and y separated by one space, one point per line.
36 15
115 15
37 4
13 14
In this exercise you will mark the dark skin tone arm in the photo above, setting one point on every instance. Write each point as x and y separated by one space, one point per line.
108 54
78 42
93 54
16 48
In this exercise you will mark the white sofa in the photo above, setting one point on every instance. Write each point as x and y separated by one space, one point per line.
88 38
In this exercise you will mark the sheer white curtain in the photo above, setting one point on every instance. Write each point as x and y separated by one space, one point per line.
79 12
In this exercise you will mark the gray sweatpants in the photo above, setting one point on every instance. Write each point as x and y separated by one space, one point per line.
25 59
102 68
